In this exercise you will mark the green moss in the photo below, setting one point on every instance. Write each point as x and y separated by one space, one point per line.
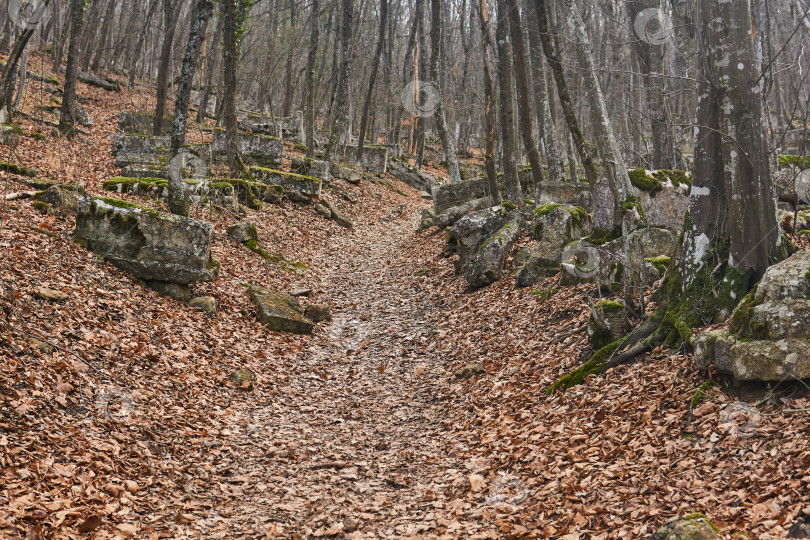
610 306
578 216
300 147
17 169
803 232
698 515
508 205
545 294
545 209
41 206
639 178
118 203
38 136
700 394
801 162
594 366
676 177
660 263
422 272
630 203
14 128
603 236
601 337
253 246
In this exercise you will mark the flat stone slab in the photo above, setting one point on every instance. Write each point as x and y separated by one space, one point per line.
254 149
308 186
279 312
148 244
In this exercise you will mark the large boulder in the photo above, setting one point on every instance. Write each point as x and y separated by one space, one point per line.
307 186
486 266
471 231
375 158
691 527
411 176
151 245
451 215
572 193
311 167
555 225
768 338
279 312
254 149
663 195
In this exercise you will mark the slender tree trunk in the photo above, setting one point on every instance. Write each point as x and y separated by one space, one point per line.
489 106
555 62
448 141
612 162
164 66
507 89
372 79
234 12
340 121
136 53
199 22
542 97
10 71
289 88
211 66
312 58
67 116
525 112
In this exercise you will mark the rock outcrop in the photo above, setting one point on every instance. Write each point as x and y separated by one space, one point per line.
150 245
279 312
768 338
691 527
483 240
555 225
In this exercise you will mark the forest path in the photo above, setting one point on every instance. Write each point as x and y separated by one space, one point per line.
357 438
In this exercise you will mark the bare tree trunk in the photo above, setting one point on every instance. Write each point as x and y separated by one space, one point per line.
612 162
286 108
372 79
525 112
199 22
448 141
508 135
489 106
67 116
312 58
234 13
542 100
340 121
211 66
555 62
163 67
136 53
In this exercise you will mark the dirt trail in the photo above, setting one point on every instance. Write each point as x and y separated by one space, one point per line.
356 438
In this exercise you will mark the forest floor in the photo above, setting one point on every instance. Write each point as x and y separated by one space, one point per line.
117 418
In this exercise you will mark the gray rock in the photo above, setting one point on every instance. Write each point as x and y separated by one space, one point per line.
311 167
471 232
323 211
300 292
571 193
768 336
337 215
244 231
470 370
206 304
375 157
307 186
51 295
279 312
243 378
521 256
554 227
454 213
692 527
62 196
345 172
609 325
150 245
254 149
486 266
428 219
318 312
413 177
177 291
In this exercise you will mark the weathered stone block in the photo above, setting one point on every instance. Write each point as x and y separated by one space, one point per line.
149 244
375 158
305 185
254 149
279 312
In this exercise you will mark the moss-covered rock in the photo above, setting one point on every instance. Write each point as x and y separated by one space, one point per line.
279 312
689 527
